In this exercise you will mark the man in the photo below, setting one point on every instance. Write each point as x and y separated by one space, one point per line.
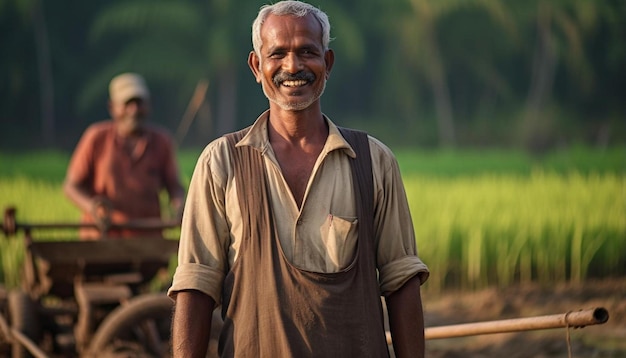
120 166
292 229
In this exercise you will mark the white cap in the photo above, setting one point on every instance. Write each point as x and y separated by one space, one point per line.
127 86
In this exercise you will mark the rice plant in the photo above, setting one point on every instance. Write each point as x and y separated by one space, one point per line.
496 230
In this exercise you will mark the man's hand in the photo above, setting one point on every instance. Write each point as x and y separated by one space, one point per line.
177 209
101 209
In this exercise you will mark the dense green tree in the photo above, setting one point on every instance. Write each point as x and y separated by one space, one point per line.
163 40
423 52
21 15
559 31
447 73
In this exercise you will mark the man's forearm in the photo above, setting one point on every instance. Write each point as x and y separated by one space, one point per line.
78 196
191 325
406 320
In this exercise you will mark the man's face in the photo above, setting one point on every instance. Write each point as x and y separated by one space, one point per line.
130 115
292 66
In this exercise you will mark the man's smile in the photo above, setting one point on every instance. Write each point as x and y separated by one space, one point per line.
296 83
299 79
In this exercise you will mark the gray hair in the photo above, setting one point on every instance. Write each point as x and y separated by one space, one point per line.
292 8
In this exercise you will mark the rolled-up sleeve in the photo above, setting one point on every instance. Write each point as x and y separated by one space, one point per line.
397 257
205 235
197 277
395 274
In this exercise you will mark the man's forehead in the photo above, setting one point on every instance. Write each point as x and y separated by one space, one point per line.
282 27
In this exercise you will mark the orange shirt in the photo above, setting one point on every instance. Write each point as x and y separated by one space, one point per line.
132 182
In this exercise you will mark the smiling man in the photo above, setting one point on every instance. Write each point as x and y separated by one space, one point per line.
294 69
294 226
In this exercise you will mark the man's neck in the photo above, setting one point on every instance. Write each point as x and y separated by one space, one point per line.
303 126
129 133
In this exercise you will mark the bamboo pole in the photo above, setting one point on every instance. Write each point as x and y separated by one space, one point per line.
573 319
194 105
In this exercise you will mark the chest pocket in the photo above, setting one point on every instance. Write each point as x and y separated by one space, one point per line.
339 237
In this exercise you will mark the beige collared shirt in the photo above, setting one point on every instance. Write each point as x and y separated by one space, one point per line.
320 236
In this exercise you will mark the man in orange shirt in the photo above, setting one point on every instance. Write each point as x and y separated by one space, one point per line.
120 166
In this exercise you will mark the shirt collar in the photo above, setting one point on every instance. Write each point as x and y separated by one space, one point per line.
258 138
141 141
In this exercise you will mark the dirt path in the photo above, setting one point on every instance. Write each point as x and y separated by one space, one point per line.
605 340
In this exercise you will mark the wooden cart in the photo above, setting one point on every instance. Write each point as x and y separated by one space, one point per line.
88 298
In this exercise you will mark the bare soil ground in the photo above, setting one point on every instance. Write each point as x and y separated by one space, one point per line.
456 307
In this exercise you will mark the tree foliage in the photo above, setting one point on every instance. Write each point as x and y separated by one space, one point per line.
453 73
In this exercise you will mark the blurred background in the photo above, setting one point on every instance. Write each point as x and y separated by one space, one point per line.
507 118
532 75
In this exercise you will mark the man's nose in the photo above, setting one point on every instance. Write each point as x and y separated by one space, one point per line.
292 63
135 105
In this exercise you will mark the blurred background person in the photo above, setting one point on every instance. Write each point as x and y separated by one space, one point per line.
121 165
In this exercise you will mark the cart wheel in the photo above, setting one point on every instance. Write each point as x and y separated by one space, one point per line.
141 328
23 316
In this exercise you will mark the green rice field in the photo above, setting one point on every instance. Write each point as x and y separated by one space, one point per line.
481 218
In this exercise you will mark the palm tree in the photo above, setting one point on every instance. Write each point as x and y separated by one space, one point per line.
559 37
423 51
46 83
31 15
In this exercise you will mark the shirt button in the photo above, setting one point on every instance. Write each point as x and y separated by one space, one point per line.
299 222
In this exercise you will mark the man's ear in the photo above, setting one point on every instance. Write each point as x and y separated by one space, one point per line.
255 65
329 58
